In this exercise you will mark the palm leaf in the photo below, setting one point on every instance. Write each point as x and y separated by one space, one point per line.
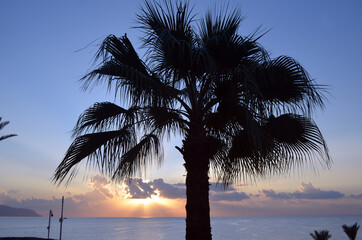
7 136
104 115
168 36
297 138
139 157
102 149
2 125
222 24
284 81
127 74
164 120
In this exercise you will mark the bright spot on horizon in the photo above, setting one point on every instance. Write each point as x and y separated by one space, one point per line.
154 199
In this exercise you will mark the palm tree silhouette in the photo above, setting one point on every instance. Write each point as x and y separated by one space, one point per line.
321 235
240 113
2 125
351 231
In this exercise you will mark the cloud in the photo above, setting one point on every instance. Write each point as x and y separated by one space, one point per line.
228 196
99 182
171 191
138 188
105 199
305 191
359 196
218 187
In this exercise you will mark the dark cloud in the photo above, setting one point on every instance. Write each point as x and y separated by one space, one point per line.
228 196
170 190
138 189
272 194
306 191
218 187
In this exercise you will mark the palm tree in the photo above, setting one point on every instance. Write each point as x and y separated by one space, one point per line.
240 113
321 235
2 125
351 231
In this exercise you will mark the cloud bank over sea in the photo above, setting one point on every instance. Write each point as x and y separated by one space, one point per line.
140 198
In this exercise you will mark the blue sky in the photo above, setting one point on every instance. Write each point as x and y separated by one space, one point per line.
40 93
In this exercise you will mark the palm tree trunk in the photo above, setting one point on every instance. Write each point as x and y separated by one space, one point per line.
197 185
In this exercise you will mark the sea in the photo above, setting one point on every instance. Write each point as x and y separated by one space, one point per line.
223 228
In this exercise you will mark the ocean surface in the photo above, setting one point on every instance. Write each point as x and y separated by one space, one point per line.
236 228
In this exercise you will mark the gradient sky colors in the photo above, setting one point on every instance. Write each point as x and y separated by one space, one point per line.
47 46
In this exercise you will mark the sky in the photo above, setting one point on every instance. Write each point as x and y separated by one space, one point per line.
47 46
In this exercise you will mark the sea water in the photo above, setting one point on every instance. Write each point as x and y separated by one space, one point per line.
236 228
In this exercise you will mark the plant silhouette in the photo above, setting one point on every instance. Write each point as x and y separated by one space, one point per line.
2 125
351 231
240 114
321 235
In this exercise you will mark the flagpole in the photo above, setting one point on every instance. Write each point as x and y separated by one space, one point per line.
61 219
50 215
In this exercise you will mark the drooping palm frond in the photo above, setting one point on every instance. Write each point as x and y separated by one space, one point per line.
274 147
139 157
283 81
351 231
297 140
321 235
163 120
102 149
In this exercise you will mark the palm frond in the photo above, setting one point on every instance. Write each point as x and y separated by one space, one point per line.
124 71
222 31
169 38
218 153
2 125
297 139
276 147
284 81
7 136
223 24
102 150
163 120
138 158
104 115
122 68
